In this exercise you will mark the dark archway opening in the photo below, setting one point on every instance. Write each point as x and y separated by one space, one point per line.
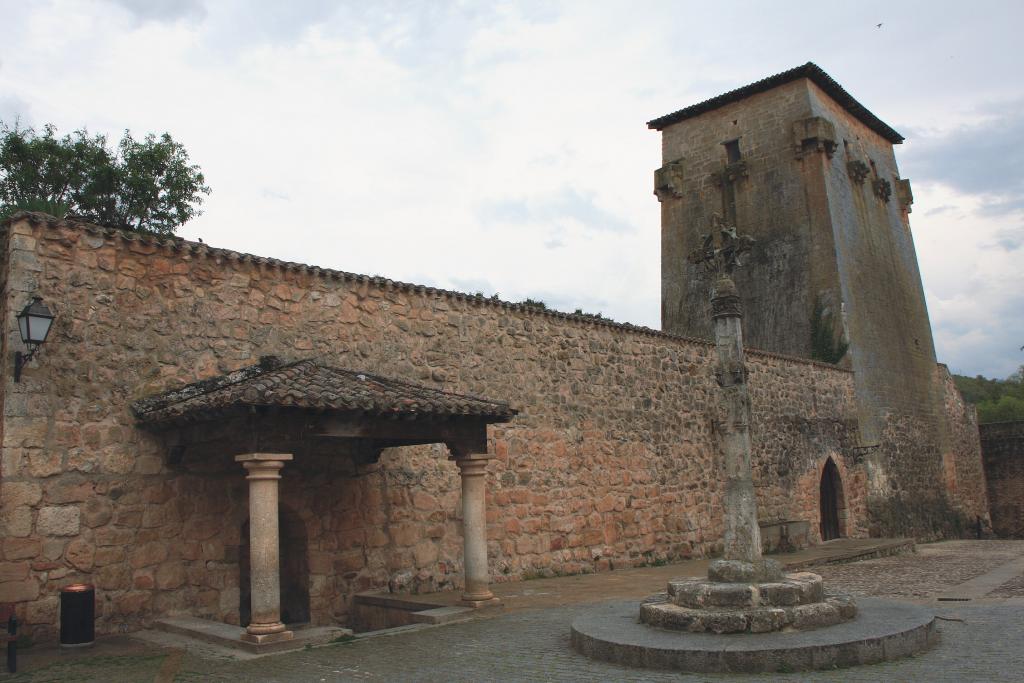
831 502
294 569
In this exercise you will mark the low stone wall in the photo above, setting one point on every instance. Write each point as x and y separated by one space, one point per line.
1002 444
610 463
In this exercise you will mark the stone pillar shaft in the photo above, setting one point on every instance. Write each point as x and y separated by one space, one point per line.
264 472
474 530
742 534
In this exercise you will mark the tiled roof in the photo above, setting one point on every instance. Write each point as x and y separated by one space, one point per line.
810 71
311 385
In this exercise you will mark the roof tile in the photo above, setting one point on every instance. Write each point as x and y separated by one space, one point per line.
810 71
310 384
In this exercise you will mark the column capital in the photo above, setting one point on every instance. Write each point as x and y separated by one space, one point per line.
263 465
264 457
470 467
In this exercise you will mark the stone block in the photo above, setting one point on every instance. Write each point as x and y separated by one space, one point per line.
59 521
113 577
108 555
144 579
733 595
112 536
13 571
80 554
425 553
148 554
17 522
725 622
21 548
811 586
815 615
781 594
132 603
53 548
15 493
170 575
25 432
43 611
737 571
44 462
845 604
19 591
767 619
96 511
68 490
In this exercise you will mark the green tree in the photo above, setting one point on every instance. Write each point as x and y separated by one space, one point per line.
997 400
146 185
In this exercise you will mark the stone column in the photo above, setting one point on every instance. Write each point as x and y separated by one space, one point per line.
264 547
742 534
474 531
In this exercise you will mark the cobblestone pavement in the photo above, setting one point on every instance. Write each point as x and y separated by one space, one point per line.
934 568
980 641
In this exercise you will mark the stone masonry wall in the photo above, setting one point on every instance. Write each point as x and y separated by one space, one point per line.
610 462
1002 444
963 463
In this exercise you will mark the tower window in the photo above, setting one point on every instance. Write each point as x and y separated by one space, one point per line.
732 151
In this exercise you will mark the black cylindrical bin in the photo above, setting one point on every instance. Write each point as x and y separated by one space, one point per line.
77 615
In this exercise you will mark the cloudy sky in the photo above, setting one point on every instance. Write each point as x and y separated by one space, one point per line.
502 147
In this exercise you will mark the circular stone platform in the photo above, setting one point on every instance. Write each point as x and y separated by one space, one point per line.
881 631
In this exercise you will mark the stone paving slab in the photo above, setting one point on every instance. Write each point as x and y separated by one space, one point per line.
979 641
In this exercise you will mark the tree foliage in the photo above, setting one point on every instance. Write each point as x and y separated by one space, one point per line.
146 185
825 346
997 400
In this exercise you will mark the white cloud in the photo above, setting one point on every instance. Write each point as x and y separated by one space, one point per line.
399 137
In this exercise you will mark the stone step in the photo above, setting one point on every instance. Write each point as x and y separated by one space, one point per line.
800 588
374 611
230 636
847 551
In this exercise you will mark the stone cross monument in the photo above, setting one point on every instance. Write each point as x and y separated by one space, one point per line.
720 254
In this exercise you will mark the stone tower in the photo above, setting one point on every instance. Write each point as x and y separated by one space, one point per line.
797 163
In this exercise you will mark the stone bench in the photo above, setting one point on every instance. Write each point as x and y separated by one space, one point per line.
785 535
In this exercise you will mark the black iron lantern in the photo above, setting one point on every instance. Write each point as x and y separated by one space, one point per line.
34 323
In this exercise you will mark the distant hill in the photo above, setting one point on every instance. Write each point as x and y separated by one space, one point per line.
998 400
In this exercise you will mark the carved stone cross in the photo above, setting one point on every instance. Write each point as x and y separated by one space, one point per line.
720 250
719 254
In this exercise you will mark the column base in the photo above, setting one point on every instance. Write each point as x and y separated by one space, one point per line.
264 638
480 600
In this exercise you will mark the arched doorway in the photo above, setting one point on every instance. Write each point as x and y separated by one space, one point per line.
294 570
831 502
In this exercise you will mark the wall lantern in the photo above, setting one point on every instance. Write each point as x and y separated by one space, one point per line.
34 323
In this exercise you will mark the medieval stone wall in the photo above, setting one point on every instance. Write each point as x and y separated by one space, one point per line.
963 464
1002 444
610 462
